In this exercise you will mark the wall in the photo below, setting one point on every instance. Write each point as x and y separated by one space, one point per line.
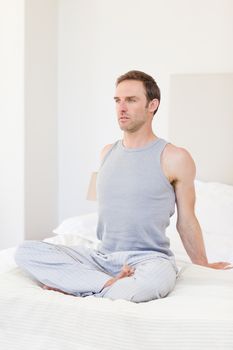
41 159
99 40
11 122
28 120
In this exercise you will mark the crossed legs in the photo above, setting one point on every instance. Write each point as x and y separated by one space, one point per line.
57 270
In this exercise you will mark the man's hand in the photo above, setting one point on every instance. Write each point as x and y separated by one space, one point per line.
221 265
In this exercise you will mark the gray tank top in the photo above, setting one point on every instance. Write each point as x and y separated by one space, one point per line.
135 200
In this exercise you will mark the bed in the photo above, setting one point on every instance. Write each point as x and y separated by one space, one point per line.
198 314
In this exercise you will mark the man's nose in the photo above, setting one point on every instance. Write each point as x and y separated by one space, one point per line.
122 106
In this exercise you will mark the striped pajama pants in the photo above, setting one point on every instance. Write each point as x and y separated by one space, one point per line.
83 271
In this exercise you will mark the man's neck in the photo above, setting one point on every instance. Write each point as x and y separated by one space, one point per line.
137 140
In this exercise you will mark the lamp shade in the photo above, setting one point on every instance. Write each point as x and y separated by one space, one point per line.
91 193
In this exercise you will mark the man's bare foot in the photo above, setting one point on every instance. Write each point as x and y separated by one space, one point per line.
55 289
126 271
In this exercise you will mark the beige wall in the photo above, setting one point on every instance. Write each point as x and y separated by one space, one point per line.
201 120
41 159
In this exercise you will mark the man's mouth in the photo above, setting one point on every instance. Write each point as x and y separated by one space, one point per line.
123 118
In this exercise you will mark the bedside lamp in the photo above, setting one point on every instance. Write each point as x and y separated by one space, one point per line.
91 193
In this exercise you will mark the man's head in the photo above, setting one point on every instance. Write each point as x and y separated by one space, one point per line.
137 99
152 90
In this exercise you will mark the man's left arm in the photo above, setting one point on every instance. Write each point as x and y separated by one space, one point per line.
187 224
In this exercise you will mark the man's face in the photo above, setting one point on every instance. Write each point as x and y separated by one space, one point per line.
131 105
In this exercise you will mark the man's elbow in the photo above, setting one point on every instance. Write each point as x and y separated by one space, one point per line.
187 224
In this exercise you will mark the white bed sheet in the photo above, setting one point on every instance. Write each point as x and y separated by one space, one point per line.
198 315
7 261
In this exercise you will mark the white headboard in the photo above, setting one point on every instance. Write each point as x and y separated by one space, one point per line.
201 120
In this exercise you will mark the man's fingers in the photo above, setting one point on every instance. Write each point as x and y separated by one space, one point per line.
230 266
221 265
128 270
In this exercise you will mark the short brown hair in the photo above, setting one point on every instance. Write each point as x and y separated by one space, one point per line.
150 85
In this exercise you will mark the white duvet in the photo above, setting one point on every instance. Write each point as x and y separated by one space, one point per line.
198 315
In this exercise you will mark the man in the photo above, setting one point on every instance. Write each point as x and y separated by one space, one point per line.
140 179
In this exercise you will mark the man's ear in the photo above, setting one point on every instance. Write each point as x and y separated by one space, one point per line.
153 105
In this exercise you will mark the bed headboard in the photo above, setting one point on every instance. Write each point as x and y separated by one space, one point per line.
201 120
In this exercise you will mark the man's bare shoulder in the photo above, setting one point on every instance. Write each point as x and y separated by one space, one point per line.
176 153
105 150
177 162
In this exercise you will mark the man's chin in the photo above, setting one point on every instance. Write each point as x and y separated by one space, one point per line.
124 128
128 130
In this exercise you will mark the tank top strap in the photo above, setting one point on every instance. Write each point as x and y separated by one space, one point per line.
109 152
161 144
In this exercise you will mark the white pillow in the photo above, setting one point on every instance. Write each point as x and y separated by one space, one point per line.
214 211
72 240
218 247
84 226
214 207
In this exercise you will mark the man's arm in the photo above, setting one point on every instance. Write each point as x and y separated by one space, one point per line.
181 170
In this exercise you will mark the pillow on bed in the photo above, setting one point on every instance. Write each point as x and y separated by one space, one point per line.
72 240
214 209
219 247
83 226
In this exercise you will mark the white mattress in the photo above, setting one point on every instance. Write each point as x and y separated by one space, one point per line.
198 315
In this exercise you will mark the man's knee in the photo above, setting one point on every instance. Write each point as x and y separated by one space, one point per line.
146 285
152 292
25 252
137 292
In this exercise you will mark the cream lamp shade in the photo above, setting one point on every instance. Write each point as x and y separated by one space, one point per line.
91 193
